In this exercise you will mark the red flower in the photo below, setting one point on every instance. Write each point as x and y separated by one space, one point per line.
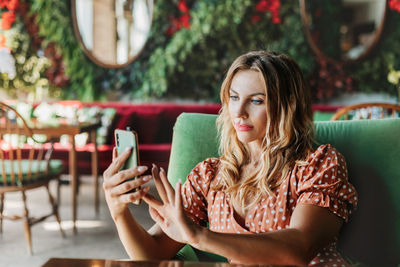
3 3
184 21
275 5
9 4
182 6
276 20
174 27
394 5
2 41
170 31
262 6
272 6
7 19
255 18
13 4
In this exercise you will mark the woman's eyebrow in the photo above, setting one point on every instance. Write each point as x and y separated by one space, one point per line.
255 94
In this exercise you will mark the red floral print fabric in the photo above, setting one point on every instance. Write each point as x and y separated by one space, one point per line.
322 182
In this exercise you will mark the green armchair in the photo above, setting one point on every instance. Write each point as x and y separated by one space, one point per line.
372 152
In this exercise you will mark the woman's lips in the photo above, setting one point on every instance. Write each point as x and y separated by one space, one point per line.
243 127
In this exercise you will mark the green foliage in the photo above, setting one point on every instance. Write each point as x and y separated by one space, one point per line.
166 63
371 74
192 62
29 66
325 30
55 26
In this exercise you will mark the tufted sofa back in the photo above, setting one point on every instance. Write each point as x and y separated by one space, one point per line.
372 152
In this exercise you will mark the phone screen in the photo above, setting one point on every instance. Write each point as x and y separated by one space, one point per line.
128 139
125 139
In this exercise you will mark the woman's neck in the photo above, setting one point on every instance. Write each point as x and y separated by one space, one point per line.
255 150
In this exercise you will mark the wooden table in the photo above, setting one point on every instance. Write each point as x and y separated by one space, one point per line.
56 129
65 262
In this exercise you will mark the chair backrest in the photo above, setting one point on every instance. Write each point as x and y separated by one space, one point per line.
22 158
367 111
372 152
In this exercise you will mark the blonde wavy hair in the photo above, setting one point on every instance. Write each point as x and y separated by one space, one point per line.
289 130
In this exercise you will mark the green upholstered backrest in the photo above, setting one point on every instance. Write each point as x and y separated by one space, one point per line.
37 170
372 152
322 115
194 139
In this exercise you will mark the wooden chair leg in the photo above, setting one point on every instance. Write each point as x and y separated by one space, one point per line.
54 206
27 224
96 194
95 170
1 211
58 191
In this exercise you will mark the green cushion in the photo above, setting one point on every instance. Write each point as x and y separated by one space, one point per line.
56 167
372 152
186 254
194 139
322 116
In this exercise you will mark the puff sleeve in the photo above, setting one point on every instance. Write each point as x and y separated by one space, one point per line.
195 190
324 182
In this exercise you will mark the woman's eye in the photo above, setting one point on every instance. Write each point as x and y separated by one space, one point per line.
257 101
234 97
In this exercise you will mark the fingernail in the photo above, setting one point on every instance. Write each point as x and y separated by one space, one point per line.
146 178
128 148
142 168
162 169
145 189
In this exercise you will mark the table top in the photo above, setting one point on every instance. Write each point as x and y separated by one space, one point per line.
69 262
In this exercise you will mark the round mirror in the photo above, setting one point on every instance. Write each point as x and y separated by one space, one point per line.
112 32
343 31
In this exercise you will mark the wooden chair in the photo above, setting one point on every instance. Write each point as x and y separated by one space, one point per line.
24 164
367 111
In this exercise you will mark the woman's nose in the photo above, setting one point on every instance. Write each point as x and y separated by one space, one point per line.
241 111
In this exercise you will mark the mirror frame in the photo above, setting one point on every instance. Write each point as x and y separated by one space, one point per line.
321 55
90 54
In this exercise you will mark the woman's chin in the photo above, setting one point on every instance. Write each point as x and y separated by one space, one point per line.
245 139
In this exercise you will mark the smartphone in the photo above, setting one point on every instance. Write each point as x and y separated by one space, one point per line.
128 139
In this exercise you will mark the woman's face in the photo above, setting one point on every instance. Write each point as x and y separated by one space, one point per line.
247 106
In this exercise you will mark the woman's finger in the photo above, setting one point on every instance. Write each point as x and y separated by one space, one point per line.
152 201
155 215
168 188
114 153
132 197
127 186
178 197
117 163
159 184
124 175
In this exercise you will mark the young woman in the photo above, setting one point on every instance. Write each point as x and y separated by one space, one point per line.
271 198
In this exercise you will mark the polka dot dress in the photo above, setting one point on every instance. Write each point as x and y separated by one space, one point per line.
322 182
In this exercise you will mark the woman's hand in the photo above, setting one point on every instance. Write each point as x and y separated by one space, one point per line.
168 213
116 187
